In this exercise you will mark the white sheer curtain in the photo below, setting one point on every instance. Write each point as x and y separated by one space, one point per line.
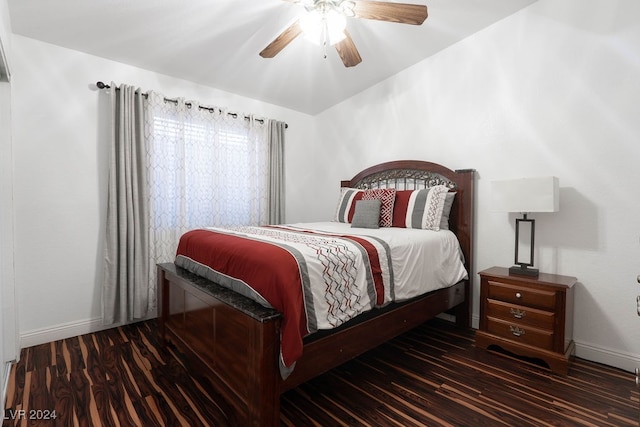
206 168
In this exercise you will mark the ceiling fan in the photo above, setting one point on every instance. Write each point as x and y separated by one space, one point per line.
325 23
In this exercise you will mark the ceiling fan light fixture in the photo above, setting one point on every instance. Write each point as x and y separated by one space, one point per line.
322 27
311 25
336 23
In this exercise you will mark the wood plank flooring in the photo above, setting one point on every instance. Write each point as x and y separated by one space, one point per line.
431 376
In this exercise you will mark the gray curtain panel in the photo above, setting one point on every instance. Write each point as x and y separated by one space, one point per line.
126 254
276 171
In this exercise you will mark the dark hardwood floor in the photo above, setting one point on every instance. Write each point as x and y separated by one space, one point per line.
431 376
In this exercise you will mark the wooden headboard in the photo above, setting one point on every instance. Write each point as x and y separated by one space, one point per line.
416 174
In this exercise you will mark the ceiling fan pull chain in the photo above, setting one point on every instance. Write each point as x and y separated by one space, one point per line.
325 36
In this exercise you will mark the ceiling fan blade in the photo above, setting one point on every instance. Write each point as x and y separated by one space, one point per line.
348 51
281 41
402 13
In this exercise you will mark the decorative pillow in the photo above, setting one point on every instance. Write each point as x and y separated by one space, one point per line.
367 214
346 204
446 210
387 197
420 208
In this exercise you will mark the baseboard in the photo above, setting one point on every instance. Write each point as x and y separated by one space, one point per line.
66 330
5 385
625 361
61 331
475 320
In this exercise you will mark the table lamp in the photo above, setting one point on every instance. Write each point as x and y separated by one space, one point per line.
525 195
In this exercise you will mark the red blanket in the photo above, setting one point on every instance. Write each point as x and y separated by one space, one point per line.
315 280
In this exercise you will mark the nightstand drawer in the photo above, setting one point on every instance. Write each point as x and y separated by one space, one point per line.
522 295
520 333
523 315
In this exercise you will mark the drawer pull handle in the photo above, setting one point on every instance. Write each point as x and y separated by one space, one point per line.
518 295
517 313
516 331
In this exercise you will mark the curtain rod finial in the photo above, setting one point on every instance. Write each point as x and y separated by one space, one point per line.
102 85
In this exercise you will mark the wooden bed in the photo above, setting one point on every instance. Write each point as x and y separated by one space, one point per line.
235 341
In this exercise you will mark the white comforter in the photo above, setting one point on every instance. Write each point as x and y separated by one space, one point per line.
422 260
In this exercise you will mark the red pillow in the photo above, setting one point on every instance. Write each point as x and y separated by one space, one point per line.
400 208
387 197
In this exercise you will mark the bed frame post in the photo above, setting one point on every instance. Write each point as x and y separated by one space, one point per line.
465 233
163 304
263 400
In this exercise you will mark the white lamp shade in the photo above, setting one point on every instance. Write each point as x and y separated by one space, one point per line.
525 195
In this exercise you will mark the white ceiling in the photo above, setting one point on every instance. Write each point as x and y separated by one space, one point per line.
216 42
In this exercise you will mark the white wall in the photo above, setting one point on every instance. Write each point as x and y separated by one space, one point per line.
551 90
60 148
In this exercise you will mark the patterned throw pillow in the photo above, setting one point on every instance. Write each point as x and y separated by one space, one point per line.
420 208
387 197
347 204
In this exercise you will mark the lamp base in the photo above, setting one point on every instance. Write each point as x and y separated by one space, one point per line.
523 270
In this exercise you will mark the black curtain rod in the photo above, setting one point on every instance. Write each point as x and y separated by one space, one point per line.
102 85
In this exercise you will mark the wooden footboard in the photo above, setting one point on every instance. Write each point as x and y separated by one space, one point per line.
232 339
236 341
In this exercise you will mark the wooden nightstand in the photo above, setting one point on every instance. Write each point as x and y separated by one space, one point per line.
528 316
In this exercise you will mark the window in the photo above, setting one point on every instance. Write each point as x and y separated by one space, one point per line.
207 170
